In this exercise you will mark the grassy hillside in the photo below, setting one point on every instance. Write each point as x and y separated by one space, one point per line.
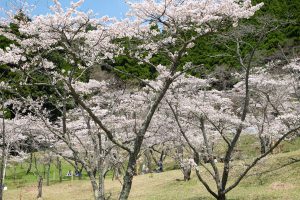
274 178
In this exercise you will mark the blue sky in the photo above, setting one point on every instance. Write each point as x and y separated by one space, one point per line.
112 8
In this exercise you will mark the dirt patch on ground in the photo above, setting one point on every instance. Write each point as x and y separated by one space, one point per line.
281 186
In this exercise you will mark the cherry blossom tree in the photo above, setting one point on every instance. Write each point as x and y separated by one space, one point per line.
85 41
262 99
77 138
275 103
13 133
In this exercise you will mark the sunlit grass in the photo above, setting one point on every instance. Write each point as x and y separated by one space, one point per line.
266 181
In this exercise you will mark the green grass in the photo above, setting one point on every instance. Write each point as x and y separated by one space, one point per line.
273 178
266 181
16 176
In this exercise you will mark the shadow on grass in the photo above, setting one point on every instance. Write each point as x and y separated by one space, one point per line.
178 179
207 198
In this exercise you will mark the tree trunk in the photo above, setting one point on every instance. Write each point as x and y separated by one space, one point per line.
80 173
162 155
48 174
59 169
30 164
133 156
127 181
101 168
221 197
40 187
1 191
3 171
95 172
101 184
187 173
96 189
44 171
3 156
148 161
153 157
264 144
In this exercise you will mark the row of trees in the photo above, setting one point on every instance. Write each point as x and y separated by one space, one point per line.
103 124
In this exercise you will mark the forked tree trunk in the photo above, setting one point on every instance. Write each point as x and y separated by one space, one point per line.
127 183
80 173
98 190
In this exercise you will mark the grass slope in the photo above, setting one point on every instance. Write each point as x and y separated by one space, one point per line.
269 180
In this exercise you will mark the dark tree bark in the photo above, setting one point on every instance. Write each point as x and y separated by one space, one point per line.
127 180
44 171
40 187
59 167
221 197
30 164
187 173
153 156
98 189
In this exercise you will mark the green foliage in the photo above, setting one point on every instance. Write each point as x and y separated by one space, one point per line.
211 51
129 65
286 11
38 84
4 42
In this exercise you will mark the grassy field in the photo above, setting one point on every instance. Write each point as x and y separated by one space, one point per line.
269 180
